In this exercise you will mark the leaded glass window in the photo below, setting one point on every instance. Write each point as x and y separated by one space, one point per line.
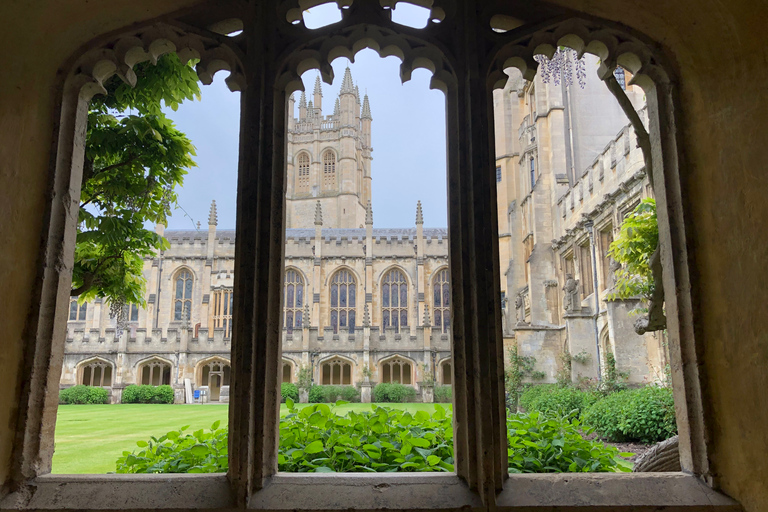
182 302
293 300
77 312
394 300
343 301
441 300
329 170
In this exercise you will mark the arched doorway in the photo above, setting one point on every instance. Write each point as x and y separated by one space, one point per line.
215 374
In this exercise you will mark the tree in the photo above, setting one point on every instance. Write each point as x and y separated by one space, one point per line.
636 249
134 160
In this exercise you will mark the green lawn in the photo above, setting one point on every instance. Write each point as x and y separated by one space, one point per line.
90 438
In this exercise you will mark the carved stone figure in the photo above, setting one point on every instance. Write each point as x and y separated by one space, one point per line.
571 288
519 310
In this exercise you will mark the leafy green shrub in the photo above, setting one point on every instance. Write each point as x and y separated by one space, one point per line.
177 452
81 394
315 439
554 400
288 390
444 394
646 415
393 393
540 444
143 394
330 394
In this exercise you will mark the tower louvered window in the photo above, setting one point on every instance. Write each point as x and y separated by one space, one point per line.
303 172
329 170
293 300
343 292
394 300
441 301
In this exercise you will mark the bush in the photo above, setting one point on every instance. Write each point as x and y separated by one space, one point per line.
541 444
330 394
81 394
315 439
444 394
393 393
288 390
554 400
134 394
645 415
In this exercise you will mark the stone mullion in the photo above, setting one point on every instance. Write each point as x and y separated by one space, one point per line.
478 350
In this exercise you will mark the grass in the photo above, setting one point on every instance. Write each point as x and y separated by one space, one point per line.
90 438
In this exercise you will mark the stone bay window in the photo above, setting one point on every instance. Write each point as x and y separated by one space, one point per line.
467 59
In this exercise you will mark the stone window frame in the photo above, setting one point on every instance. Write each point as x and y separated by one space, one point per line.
441 368
80 311
184 300
401 310
296 310
481 480
329 159
442 308
290 365
103 364
333 362
350 310
303 173
398 361
221 309
154 363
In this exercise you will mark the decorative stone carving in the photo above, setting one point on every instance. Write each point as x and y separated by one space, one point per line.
571 299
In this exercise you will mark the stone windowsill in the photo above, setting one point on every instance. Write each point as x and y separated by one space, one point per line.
336 492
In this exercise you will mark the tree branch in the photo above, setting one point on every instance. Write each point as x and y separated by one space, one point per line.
655 319
90 277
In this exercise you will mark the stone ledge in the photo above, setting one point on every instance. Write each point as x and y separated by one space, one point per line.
567 492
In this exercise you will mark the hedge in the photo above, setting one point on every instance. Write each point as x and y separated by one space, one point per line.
393 393
444 394
288 390
143 394
81 394
645 415
330 394
551 399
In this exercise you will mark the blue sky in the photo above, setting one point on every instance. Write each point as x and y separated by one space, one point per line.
408 138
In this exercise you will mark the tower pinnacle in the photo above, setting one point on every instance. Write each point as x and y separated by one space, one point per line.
369 213
318 214
347 87
213 218
303 100
419 215
336 108
366 109
318 86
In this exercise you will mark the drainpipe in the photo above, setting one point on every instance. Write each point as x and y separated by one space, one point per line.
591 227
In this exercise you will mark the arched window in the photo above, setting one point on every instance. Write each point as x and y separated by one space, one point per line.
155 373
287 371
329 170
396 370
394 300
336 371
215 374
96 373
302 163
446 373
343 292
223 301
293 300
77 312
182 302
441 300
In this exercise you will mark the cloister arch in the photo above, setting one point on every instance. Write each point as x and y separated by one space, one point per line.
445 371
397 368
336 370
287 370
213 372
154 371
95 371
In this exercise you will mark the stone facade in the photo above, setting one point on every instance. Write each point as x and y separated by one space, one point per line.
342 275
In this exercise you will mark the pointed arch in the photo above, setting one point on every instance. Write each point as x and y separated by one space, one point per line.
440 292
397 368
342 292
95 371
445 371
328 160
336 370
214 372
303 162
287 370
183 283
154 371
294 298
394 286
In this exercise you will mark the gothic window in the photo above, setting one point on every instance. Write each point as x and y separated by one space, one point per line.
96 373
441 301
155 373
287 372
293 300
214 375
303 172
446 373
329 170
533 172
182 302
131 312
343 292
606 239
394 300
223 301
77 312
336 371
397 370
585 268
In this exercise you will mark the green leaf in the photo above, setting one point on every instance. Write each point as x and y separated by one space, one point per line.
314 447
